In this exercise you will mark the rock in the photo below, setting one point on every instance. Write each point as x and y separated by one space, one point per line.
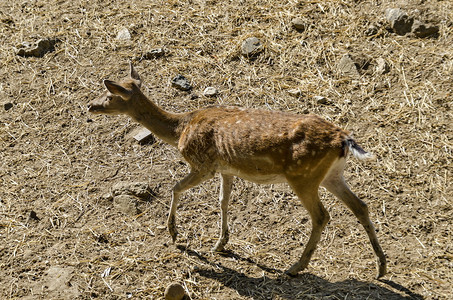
180 82
298 24
174 291
295 92
33 216
347 66
210 92
123 34
251 47
127 204
155 53
400 22
382 67
422 30
138 189
322 100
37 49
142 135
7 106
107 197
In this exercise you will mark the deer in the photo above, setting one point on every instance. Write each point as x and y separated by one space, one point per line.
258 145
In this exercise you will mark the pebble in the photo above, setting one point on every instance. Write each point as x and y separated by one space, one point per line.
322 100
123 34
251 47
347 66
180 82
210 92
37 49
295 92
142 135
33 216
138 189
382 67
7 106
298 24
174 291
155 53
402 24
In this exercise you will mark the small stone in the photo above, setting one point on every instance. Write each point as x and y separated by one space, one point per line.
137 189
142 135
347 66
400 22
322 100
295 92
251 47
8 106
33 216
37 49
382 67
155 53
107 197
298 24
123 34
174 291
210 92
180 82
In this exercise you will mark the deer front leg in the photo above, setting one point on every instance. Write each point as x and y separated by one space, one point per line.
226 184
192 179
319 219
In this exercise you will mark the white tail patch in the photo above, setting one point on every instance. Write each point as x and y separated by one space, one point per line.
358 151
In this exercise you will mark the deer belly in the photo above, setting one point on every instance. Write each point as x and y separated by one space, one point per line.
259 170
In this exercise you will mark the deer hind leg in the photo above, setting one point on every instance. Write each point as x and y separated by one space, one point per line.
192 179
226 185
337 186
308 194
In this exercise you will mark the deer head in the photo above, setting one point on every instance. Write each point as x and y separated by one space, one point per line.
114 100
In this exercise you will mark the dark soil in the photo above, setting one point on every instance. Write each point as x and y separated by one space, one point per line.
62 236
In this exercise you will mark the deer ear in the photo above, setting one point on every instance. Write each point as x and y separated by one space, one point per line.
134 75
117 89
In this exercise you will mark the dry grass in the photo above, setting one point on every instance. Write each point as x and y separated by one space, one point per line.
57 162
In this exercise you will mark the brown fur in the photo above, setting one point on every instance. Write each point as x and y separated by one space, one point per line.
262 146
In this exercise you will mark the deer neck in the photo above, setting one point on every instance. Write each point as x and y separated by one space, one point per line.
165 125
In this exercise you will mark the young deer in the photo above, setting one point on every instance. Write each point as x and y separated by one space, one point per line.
261 146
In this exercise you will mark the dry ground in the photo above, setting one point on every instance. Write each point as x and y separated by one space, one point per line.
57 162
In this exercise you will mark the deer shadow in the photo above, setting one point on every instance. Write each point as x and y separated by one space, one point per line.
302 286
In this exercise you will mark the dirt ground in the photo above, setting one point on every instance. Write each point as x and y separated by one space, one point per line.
63 237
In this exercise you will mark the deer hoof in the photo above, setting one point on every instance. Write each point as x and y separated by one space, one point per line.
382 270
293 270
218 248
